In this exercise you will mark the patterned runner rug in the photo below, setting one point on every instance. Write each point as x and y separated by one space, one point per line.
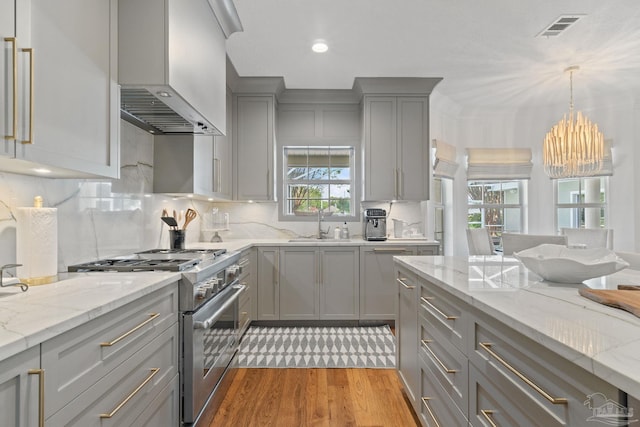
318 347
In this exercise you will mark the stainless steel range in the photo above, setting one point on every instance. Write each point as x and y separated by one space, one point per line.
209 315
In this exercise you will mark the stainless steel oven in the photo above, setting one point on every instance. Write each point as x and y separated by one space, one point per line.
210 340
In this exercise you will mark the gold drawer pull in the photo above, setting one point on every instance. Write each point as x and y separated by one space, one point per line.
401 281
154 371
447 370
14 85
446 317
40 374
486 413
555 400
389 249
126 334
425 402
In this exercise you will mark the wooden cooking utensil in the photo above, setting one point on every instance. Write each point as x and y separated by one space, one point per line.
189 216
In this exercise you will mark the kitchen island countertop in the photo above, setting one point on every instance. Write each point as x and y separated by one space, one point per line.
603 340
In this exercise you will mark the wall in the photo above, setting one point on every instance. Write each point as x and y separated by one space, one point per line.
526 127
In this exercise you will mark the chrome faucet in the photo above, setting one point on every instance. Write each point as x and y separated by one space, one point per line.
321 233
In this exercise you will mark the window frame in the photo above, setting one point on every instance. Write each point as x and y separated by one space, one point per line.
352 182
522 205
603 205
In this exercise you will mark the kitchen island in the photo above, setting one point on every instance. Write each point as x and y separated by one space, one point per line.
484 340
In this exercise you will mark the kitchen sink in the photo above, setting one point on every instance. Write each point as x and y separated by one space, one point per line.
316 240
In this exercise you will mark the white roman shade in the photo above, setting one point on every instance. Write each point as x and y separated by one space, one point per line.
498 163
444 164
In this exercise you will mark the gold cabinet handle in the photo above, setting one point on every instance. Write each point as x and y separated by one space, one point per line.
154 371
555 400
40 374
486 413
425 402
442 365
401 281
437 310
14 54
389 249
29 51
126 334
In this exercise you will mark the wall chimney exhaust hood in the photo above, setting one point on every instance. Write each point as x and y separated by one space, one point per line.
172 64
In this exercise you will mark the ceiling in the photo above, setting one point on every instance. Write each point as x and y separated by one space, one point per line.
486 51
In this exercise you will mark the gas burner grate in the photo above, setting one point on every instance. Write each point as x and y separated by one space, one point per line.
133 264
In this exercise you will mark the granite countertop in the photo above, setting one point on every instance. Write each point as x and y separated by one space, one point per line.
43 312
603 340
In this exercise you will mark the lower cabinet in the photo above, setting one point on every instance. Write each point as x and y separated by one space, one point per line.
319 283
377 281
249 298
268 283
113 367
479 371
19 384
407 333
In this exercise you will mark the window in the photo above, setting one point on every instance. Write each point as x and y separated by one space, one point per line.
319 178
581 202
497 205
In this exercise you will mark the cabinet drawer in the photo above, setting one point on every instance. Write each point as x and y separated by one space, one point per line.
449 366
436 407
547 388
77 359
164 410
446 313
120 397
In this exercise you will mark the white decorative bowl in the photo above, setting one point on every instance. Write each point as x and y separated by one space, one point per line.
557 263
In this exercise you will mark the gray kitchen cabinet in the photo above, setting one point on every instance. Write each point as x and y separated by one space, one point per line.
19 397
319 283
248 300
396 148
339 283
184 165
94 367
407 333
268 283
428 250
223 157
476 368
68 119
254 150
377 281
299 283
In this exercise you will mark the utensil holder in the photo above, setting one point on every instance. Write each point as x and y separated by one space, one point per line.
176 239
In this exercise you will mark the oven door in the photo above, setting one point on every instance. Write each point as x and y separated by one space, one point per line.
210 342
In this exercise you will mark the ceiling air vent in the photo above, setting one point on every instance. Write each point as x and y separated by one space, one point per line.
560 25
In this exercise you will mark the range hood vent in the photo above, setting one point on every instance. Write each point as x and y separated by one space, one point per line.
142 108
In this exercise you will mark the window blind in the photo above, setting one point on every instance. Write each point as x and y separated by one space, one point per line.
498 163
444 164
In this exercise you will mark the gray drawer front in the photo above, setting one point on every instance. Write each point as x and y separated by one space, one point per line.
447 315
436 407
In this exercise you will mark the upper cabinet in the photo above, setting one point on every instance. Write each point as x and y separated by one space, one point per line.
59 102
396 137
172 61
223 158
254 155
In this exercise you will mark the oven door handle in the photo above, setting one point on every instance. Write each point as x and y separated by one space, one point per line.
207 323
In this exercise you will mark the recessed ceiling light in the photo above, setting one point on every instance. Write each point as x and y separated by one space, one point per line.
42 171
319 46
163 94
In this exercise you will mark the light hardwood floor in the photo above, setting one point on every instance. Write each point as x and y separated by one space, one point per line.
315 397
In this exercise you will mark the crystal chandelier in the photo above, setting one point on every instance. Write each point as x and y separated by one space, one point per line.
573 147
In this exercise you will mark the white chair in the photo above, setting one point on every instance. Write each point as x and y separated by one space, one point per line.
633 258
589 237
515 242
479 241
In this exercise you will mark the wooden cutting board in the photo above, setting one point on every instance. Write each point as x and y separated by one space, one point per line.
624 299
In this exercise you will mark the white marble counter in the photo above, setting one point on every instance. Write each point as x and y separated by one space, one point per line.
30 318
600 339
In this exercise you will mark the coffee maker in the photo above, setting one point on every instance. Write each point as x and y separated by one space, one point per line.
374 225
